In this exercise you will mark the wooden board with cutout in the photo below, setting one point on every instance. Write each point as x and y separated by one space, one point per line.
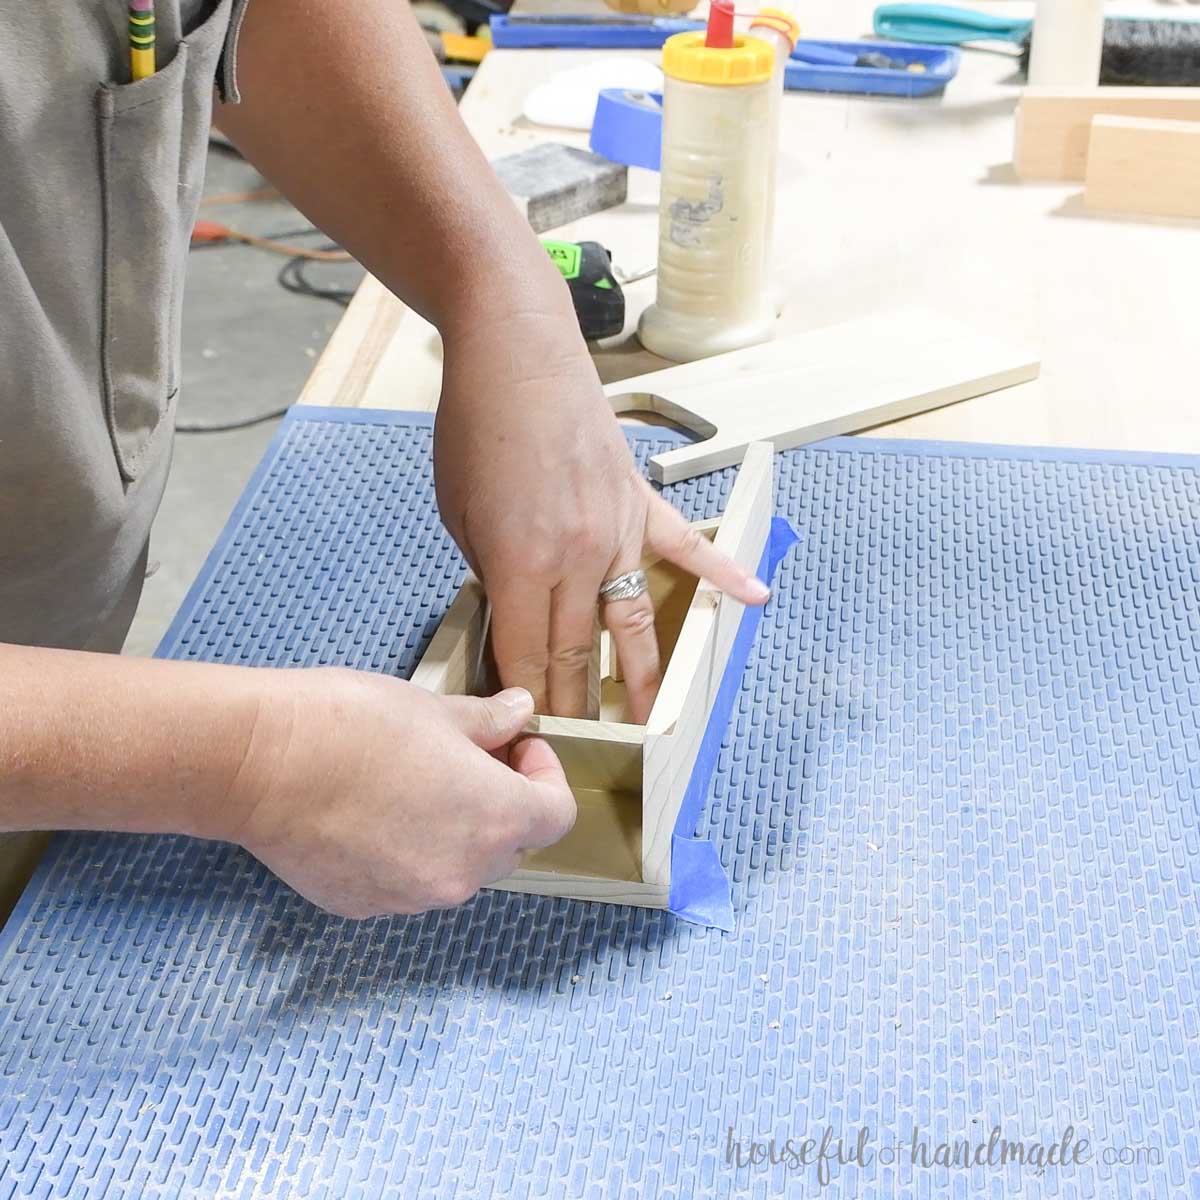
836 380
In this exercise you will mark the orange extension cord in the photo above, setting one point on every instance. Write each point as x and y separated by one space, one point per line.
206 233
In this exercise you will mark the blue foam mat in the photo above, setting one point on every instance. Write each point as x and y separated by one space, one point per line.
957 802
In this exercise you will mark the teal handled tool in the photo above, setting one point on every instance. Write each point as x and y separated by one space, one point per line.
945 25
1155 51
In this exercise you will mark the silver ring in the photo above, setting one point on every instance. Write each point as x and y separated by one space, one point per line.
629 586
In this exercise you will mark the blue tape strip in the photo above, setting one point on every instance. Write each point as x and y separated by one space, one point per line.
700 890
602 33
627 127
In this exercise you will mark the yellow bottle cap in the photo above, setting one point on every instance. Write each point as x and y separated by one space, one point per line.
686 57
778 20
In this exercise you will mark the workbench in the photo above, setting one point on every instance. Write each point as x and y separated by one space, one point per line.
956 798
883 203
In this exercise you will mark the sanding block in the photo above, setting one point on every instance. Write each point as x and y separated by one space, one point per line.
554 184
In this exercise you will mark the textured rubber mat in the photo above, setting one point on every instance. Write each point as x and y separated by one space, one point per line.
958 803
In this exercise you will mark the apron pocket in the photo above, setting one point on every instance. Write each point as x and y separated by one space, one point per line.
153 146
140 144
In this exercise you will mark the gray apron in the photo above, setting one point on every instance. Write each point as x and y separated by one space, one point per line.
99 184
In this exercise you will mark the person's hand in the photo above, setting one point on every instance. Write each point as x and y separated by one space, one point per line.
537 485
370 796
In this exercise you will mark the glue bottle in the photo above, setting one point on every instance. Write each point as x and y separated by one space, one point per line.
780 30
714 234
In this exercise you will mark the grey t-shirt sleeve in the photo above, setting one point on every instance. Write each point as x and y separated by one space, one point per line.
227 87
194 13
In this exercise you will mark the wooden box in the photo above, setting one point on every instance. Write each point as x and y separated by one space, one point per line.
628 779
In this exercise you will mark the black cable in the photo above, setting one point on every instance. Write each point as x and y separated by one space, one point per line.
293 277
224 145
229 426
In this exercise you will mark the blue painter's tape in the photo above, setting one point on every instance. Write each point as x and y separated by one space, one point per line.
600 33
699 884
627 127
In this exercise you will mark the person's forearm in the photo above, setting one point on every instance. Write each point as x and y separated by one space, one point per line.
368 795
344 109
90 741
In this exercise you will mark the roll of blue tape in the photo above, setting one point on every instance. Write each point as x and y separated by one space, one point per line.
628 127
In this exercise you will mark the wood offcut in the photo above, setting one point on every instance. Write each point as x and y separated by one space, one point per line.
1144 166
1054 124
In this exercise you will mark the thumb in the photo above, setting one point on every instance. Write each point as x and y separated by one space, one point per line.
533 758
491 721
548 803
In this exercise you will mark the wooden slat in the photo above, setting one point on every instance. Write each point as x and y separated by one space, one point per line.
1142 165
1054 124
693 676
448 666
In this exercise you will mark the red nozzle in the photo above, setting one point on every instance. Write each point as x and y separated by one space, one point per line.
720 25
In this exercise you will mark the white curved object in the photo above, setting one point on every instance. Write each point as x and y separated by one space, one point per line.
567 100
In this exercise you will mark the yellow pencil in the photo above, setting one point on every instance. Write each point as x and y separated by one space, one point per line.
141 38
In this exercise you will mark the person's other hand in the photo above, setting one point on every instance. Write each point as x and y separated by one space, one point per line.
536 483
370 796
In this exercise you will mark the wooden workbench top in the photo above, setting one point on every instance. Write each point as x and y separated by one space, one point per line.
884 203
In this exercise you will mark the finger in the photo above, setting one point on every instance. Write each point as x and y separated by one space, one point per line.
521 638
630 624
491 721
546 802
572 638
672 537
